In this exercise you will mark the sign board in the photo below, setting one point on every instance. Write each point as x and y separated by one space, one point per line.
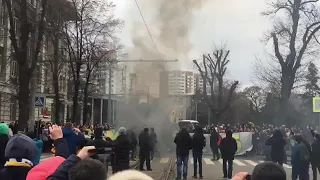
316 104
39 101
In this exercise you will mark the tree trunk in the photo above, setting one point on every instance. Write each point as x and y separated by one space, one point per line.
76 93
287 81
55 78
23 92
85 102
57 102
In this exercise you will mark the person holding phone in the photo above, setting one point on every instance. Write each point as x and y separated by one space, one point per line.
74 137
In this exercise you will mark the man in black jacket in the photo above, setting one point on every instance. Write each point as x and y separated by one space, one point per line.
198 143
183 145
145 149
122 151
228 148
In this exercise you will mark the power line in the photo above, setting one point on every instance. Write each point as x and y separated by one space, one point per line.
154 44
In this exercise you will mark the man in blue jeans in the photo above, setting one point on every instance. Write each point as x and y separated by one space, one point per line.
183 145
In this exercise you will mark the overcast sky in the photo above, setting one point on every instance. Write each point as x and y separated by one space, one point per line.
238 23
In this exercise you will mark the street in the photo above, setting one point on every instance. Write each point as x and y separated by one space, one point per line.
213 169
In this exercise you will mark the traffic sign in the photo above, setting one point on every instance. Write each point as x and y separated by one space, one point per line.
39 102
316 104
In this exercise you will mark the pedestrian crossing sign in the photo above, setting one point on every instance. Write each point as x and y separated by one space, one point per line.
316 104
39 102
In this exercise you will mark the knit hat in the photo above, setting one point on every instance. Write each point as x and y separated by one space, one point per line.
122 131
267 171
4 129
21 146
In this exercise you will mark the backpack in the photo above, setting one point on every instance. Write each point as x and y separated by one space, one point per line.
304 153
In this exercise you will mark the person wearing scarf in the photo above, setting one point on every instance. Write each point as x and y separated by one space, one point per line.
19 153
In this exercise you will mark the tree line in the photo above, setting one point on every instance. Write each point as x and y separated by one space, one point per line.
74 36
288 77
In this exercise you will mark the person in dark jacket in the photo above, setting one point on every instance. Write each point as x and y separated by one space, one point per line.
145 149
74 137
277 144
183 145
315 158
154 140
214 138
198 143
99 143
4 138
19 153
228 148
122 151
133 142
300 159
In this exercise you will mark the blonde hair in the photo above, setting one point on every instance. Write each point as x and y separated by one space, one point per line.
130 175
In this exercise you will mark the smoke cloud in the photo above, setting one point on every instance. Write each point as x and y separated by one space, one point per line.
170 22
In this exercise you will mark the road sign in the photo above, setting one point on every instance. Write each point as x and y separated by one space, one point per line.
39 102
316 104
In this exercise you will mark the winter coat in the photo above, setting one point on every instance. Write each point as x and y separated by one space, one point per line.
277 144
296 157
45 168
315 158
228 147
73 140
122 151
3 143
214 139
198 142
183 143
145 143
14 173
62 171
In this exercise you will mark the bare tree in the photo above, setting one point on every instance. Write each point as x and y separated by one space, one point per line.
292 36
257 97
30 30
214 69
94 20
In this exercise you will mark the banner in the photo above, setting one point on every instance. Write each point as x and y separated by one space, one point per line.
244 142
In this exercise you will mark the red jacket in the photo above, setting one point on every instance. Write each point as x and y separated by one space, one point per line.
45 169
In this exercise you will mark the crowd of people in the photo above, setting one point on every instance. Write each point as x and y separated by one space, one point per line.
304 144
80 152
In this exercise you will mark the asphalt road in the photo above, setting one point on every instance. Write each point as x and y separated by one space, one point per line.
212 170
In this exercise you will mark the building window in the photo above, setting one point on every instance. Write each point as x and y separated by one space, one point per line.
14 69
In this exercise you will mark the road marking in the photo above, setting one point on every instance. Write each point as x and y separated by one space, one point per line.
208 161
191 160
287 166
251 162
261 161
238 163
164 160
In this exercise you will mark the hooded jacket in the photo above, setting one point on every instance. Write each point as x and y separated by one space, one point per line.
183 142
73 139
45 169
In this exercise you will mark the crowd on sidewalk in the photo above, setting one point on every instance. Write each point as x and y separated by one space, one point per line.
76 157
